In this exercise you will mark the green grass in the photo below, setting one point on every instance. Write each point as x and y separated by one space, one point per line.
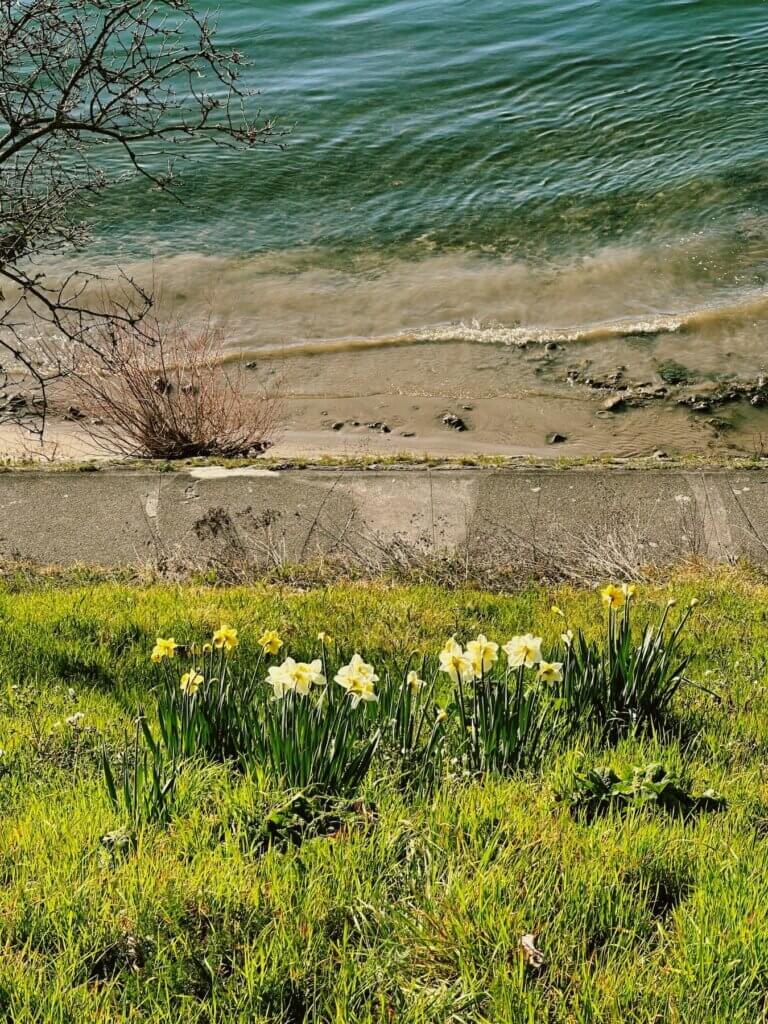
413 909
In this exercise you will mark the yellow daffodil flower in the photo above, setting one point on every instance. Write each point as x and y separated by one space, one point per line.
628 590
270 641
483 653
191 683
324 637
441 715
163 649
694 602
551 671
225 637
207 648
557 611
567 637
523 650
613 597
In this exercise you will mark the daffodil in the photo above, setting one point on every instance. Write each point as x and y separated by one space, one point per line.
225 637
557 611
523 650
300 676
308 674
323 637
456 663
163 649
613 596
567 637
356 675
207 648
551 671
280 678
441 716
694 602
451 646
363 690
358 678
270 641
191 682
483 653
414 682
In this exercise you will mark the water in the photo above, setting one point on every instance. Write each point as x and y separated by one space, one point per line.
509 170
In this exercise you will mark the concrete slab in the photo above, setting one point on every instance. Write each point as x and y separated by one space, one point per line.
115 517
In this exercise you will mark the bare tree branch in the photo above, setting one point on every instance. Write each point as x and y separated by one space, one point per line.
81 80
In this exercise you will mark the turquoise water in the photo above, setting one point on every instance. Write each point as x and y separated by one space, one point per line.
536 132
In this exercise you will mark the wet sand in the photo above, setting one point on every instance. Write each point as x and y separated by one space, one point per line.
512 402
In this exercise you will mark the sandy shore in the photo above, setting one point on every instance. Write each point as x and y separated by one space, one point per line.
462 399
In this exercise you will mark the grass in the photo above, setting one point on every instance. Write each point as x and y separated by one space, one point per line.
404 909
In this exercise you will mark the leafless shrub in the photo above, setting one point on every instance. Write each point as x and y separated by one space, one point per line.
168 392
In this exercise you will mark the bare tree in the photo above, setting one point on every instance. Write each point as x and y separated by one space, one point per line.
80 79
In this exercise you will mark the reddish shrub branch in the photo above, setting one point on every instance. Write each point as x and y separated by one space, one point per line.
169 392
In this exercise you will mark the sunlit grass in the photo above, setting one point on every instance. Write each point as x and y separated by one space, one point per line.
413 908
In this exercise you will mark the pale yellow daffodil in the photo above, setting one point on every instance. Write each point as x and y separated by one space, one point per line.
523 651
456 663
413 681
358 678
482 653
551 671
300 676
191 683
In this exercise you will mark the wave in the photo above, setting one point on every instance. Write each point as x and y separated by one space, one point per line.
297 303
717 318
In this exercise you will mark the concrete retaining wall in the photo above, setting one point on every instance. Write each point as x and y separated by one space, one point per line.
133 517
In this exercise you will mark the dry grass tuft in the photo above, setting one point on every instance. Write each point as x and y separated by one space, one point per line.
167 392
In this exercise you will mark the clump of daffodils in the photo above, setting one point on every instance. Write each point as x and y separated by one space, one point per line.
295 677
358 679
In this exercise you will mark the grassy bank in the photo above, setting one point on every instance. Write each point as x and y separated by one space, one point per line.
413 908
